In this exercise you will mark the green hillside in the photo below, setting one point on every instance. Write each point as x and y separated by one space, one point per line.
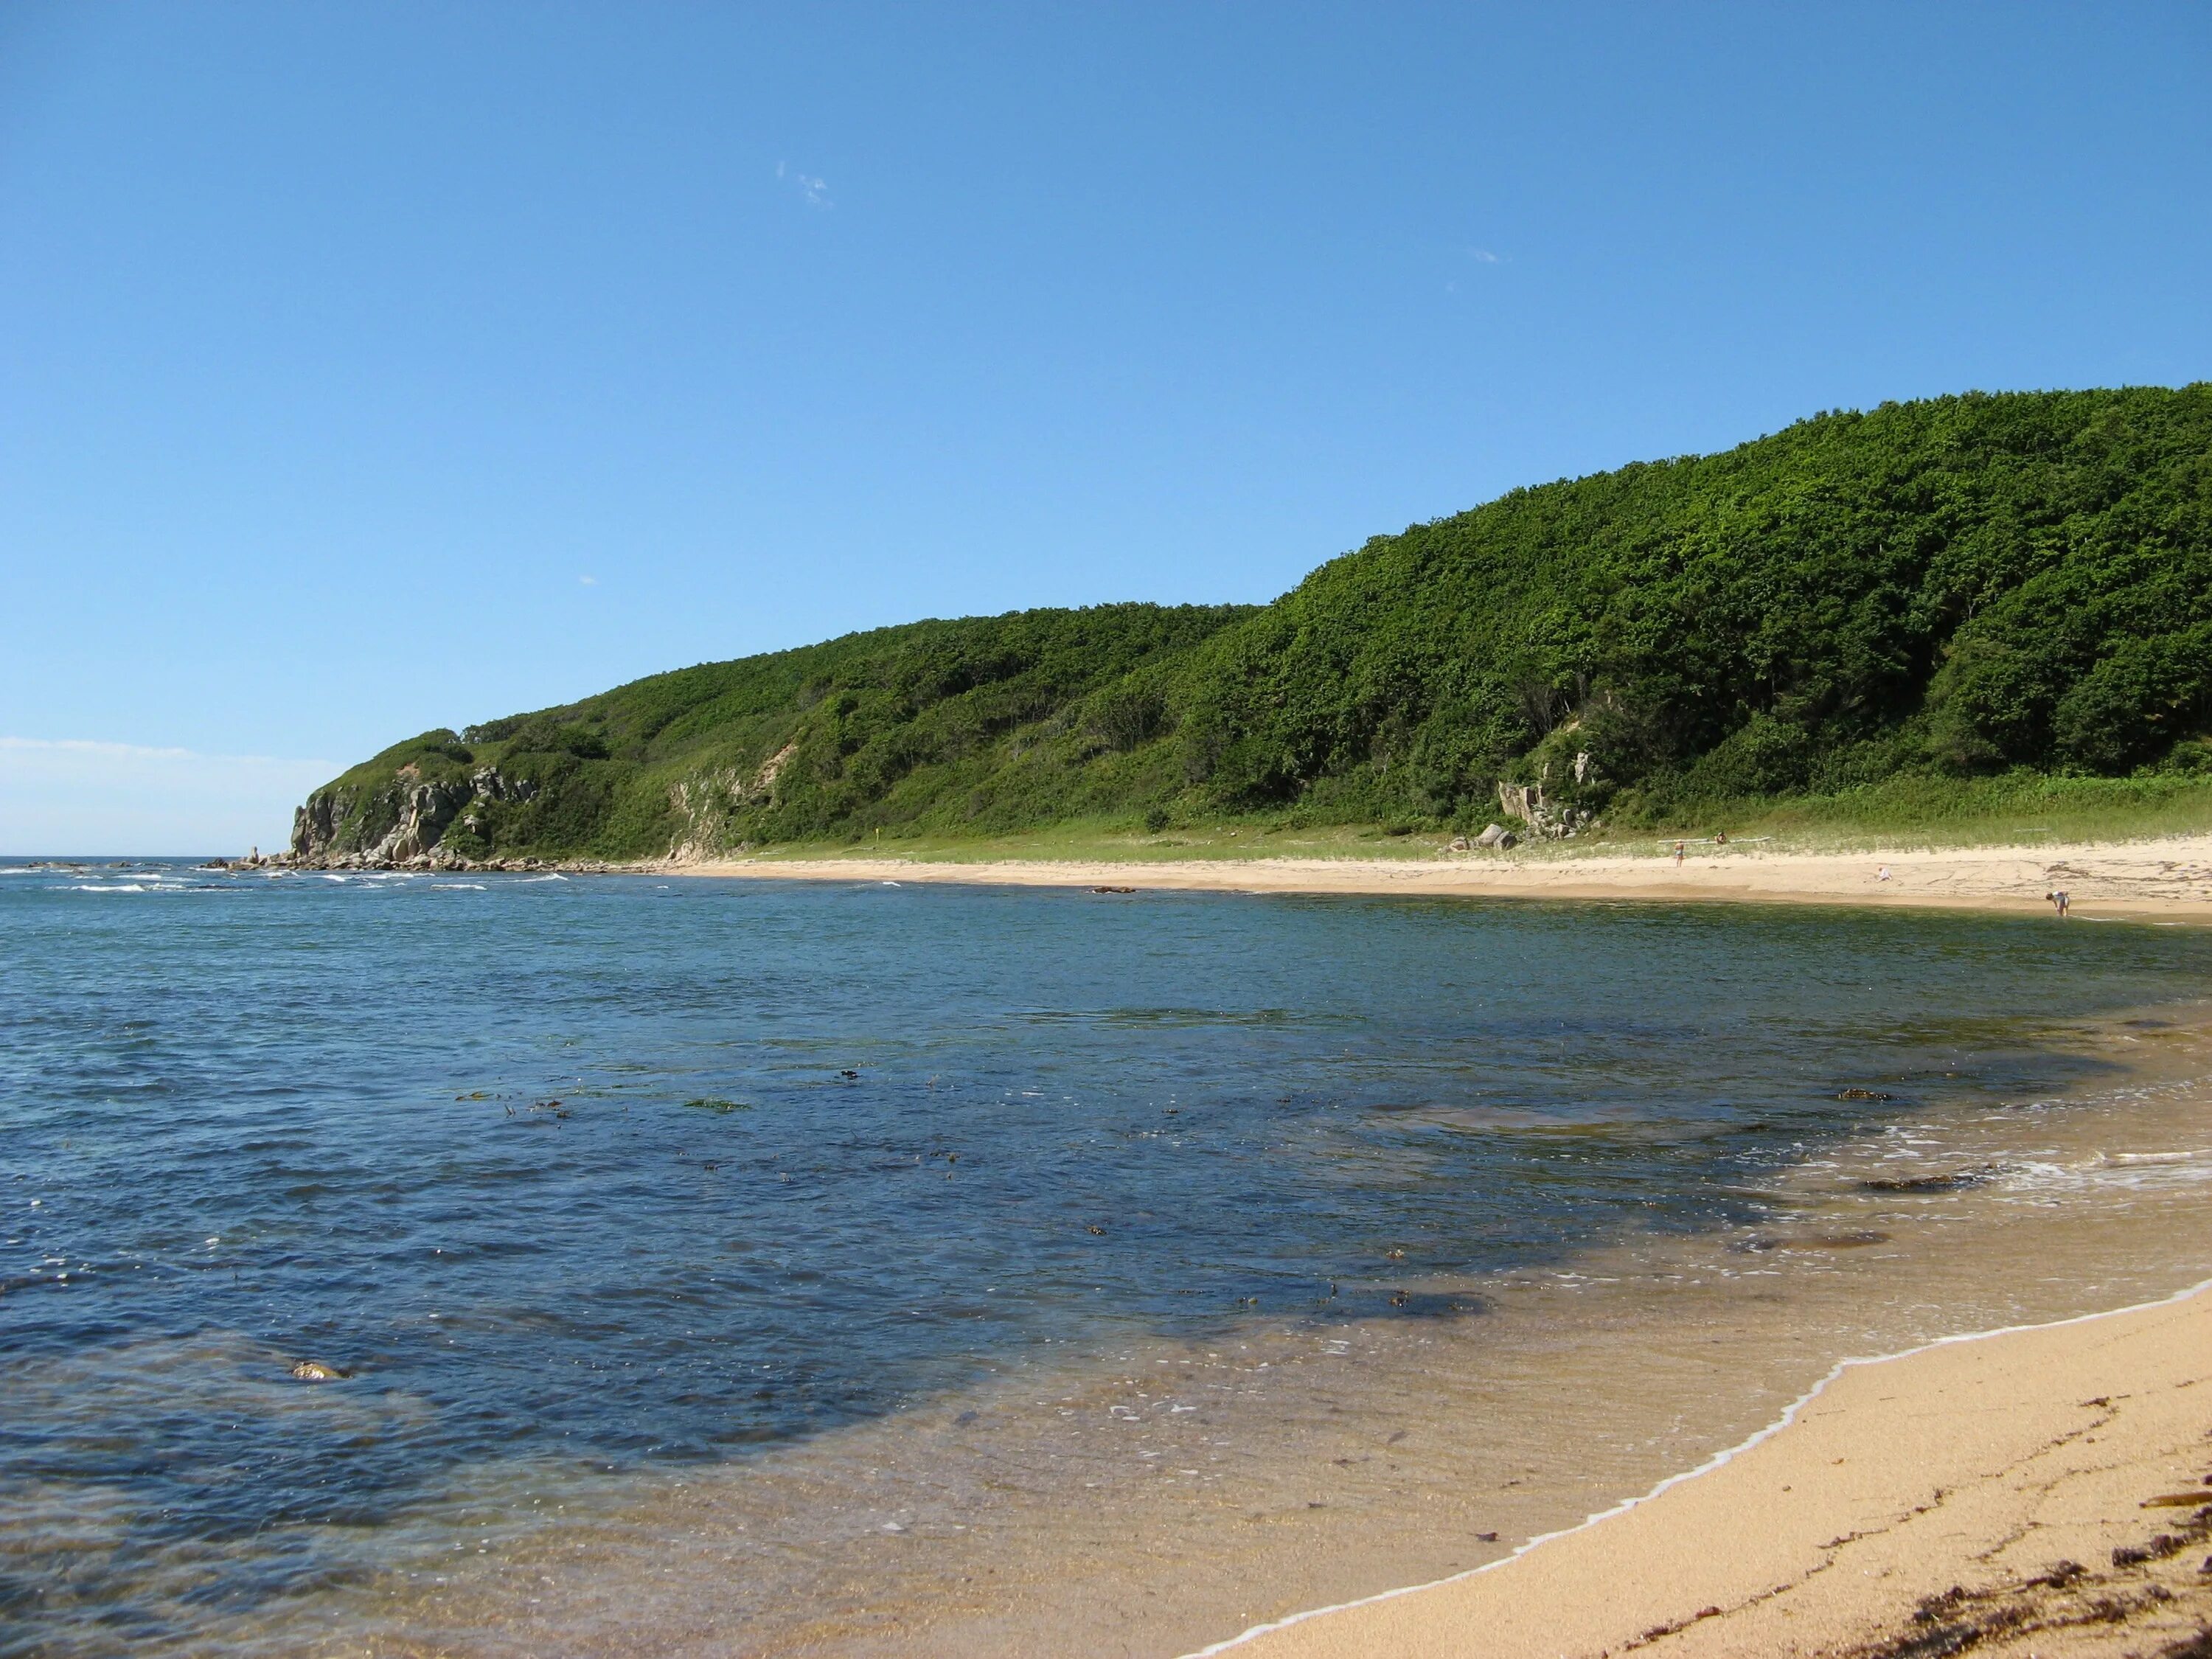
1922 594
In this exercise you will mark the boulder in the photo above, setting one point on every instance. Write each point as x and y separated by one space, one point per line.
1546 819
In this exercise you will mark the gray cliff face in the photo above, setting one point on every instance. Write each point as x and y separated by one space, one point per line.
399 826
315 823
424 813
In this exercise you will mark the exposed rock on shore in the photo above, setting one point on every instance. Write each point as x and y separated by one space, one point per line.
1547 820
408 818
704 805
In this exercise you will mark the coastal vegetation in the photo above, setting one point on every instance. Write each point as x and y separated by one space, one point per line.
1975 609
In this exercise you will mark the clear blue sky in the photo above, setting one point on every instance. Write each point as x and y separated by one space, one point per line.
365 369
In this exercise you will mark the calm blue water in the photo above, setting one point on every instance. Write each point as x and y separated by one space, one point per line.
447 1135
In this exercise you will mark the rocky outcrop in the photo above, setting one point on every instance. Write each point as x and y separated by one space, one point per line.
1549 820
315 823
420 813
705 802
702 803
487 784
424 813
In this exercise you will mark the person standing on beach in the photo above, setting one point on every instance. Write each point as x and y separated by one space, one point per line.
1678 854
2061 901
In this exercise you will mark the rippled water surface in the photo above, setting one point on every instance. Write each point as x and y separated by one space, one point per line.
613 1173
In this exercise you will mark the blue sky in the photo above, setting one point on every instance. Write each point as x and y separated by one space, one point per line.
365 369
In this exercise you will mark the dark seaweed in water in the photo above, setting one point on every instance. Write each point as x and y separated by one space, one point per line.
1957 1181
468 1154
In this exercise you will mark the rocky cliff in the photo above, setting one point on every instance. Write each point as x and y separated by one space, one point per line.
399 825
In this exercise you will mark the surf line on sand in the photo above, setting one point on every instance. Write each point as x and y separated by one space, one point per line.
1789 1415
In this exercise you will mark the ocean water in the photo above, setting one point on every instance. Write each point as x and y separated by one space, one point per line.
585 1178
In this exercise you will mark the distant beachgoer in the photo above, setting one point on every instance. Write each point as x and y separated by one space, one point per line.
1720 838
1883 874
2061 900
1678 854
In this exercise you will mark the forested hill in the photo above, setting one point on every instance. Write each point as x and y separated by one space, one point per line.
1950 587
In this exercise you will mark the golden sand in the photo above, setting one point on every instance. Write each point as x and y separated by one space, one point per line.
2169 879
2046 1492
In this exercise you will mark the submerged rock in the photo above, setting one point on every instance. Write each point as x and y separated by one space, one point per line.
1958 1180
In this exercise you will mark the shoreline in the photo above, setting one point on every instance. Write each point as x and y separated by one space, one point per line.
1598 1587
2166 880
1266 1516
1160 1495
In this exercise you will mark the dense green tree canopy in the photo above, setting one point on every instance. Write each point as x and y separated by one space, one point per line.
1963 585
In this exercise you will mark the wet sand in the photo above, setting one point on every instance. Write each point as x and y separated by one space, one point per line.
2167 879
2043 1492
1166 1497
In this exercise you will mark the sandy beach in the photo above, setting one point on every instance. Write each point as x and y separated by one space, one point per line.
2168 880
2046 1491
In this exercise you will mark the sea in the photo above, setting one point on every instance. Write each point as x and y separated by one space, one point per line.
401 1263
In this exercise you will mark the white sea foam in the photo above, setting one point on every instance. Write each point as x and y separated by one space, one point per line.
2126 1171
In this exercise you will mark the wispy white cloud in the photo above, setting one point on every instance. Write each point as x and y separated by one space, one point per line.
589 582
1482 256
137 751
64 795
814 191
